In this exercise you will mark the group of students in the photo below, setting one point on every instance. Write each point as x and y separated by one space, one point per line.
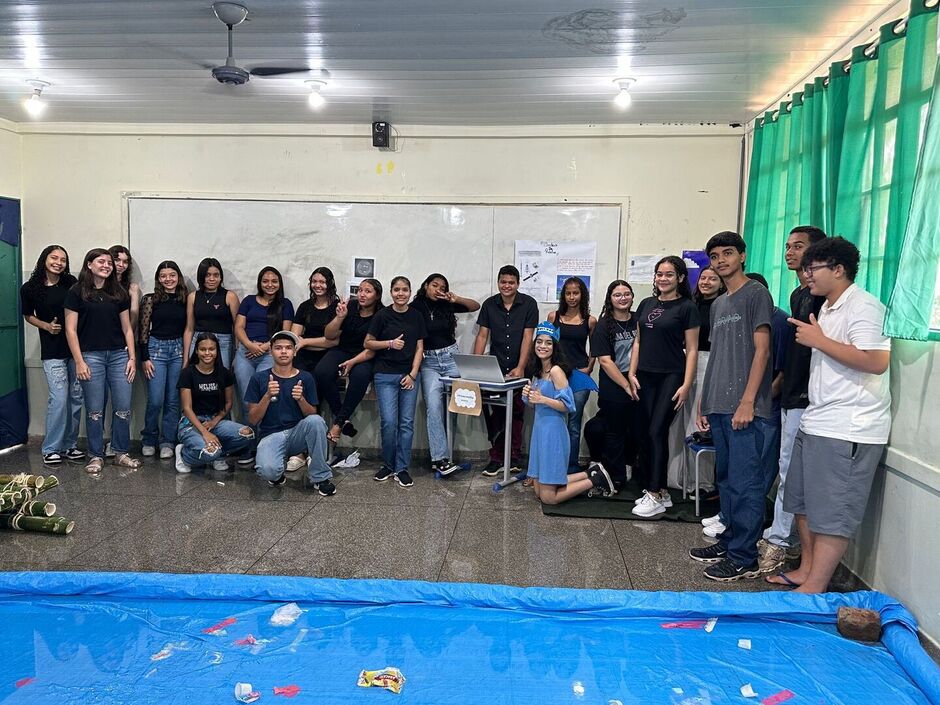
777 395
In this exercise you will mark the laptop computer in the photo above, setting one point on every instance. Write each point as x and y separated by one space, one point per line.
479 368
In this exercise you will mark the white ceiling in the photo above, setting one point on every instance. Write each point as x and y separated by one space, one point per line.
483 62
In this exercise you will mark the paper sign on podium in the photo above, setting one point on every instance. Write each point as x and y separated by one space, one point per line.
465 398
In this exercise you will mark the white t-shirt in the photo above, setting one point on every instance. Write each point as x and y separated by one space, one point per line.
845 403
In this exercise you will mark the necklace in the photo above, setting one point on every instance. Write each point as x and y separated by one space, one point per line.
210 299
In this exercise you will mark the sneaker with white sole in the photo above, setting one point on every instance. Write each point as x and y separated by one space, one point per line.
403 479
246 461
382 474
726 571
707 521
492 469
52 459
75 454
649 505
295 463
600 478
709 554
220 465
770 557
166 452
713 531
146 451
181 466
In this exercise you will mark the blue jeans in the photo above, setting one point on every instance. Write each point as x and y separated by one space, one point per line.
782 532
230 437
574 428
744 460
64 408
245 367
436 364
107 378
226 341
397 413
162 394
308 436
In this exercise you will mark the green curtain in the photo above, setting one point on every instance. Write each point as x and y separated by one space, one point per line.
914 309
842 155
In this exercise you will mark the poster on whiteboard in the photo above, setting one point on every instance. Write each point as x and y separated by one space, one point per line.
545 264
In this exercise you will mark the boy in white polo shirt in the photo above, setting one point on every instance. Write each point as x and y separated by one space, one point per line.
844 430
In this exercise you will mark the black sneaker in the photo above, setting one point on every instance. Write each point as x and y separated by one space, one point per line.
446 467
493 468
325 488
727 572
75 454
710 554
600 478
246 461
404 479
382 474
279 481
52 459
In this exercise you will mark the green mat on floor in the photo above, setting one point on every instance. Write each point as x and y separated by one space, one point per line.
620 506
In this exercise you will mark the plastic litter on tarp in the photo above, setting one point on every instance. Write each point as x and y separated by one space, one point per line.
92 637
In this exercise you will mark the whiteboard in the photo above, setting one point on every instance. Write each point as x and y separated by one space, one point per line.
466 242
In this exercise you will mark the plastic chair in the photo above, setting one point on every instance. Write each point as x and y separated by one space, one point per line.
697 449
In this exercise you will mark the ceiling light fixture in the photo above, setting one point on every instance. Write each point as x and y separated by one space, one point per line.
623 99
316 99
35 105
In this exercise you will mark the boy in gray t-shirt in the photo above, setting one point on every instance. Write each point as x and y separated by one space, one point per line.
736 407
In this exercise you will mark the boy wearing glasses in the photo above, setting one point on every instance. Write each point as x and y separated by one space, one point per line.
736 406
844 429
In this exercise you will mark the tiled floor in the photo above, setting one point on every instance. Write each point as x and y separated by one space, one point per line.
455 530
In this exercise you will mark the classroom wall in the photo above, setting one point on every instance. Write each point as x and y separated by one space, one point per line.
682 183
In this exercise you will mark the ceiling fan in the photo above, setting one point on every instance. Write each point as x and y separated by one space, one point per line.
230 73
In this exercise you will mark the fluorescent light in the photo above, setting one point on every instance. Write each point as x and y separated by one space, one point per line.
316 99
35 105
623 99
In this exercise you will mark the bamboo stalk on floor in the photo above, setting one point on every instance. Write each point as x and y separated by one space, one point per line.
46 525
37 509
12 498
36 481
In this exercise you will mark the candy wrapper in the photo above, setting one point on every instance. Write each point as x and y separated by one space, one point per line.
244 693
388 678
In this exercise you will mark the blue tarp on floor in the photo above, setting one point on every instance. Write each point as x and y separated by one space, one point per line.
131 637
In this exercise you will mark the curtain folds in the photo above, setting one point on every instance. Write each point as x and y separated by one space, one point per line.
842 154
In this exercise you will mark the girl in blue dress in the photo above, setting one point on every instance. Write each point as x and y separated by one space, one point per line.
549 393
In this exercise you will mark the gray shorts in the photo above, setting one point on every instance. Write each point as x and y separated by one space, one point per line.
829 481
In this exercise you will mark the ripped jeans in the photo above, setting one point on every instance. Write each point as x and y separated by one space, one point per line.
64 408
232 436
107 377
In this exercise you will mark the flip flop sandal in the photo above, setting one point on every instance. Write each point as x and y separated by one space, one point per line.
787 582
94 466
126 461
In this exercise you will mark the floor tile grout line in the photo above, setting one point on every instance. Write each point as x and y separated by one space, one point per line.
453 533
281 537
622 556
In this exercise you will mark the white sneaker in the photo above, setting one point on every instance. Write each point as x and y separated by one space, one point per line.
166 452
147 451
181 467
295 463
708 521
649 505
220 465
713 530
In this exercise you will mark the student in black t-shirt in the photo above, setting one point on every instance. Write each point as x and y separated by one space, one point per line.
124 270
101 340
575 324
348 359
396 336
507 323
162 321
611 434
662 369
206 389
211 309
312 317
439 306
42 298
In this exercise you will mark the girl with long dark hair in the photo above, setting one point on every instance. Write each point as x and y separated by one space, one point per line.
260 316
211 308
439 306
42 298
312 317
575 324
662 369
160 341
396 336
349 358
100 337
206 389
550 395
611 435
